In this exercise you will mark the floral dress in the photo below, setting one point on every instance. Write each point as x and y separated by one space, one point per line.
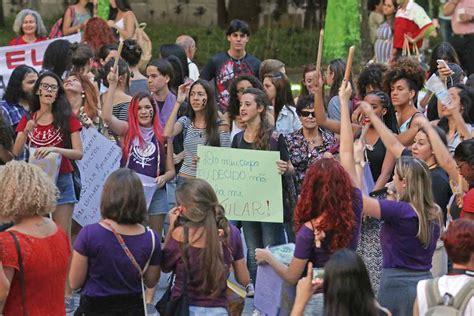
300 154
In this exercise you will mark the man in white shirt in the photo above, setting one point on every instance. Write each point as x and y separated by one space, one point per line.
189 46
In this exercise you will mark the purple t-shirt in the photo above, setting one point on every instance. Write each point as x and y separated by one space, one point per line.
305 248
172 261
145 160
400 247
110 271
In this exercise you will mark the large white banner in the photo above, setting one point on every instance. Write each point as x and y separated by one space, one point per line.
101 158
28 54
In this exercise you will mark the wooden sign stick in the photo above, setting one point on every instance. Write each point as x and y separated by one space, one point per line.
350 57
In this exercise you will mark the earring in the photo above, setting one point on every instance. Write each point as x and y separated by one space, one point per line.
83 94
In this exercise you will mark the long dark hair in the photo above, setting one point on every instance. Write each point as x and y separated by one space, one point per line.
7 136
203 210
283 95
347 289
338 67
58 57
167 50
444 51
210 113
14 91
122 5
234 104
262 142
61 108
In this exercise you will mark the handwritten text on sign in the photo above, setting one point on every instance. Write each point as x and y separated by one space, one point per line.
101 158
246 182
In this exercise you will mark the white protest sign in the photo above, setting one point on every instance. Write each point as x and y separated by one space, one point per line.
101 158
28 54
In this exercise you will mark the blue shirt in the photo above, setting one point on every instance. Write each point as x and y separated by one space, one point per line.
12 113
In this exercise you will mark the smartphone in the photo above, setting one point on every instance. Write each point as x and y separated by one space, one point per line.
442 62
379 194
188 80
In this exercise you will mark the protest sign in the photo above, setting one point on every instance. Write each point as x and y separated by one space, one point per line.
101 158
273 295
49 164
28 54
246 182
149 187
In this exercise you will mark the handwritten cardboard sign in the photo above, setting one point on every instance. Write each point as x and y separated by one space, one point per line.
49 164
101 158
246 182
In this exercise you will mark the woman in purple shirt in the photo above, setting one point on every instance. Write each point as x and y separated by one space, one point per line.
411 221
110 283
200 248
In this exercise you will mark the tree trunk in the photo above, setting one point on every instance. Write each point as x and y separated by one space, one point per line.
2 15
310 15
222 15
368 51
247 10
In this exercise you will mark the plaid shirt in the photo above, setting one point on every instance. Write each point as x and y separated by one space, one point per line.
12 113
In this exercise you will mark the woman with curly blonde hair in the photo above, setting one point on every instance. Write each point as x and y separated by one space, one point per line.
34 249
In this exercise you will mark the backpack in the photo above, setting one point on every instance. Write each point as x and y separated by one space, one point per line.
447 305
57 29
144 41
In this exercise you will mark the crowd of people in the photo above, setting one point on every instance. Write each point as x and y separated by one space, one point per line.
377 171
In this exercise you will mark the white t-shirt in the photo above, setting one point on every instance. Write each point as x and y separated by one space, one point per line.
447 284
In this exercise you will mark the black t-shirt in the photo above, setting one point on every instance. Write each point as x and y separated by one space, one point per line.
275 144
223 69
439 185
376 158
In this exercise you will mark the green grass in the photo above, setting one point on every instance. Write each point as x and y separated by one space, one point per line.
295 47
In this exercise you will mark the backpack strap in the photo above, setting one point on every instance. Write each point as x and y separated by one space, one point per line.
433 297
464 296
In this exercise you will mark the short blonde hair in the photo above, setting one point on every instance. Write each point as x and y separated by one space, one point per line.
26 191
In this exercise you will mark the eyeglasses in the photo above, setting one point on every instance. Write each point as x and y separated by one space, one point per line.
47 86
307 113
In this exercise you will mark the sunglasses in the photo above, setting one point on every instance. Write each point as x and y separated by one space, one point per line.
307 113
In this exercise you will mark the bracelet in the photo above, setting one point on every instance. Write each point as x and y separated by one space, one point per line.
360 163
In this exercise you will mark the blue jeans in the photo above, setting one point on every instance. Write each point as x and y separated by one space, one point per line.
260 235
207 311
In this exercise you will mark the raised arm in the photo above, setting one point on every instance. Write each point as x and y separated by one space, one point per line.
346 149
173 128
321 115
443 157
117 126
389 139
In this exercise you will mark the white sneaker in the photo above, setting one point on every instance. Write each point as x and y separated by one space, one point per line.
250 290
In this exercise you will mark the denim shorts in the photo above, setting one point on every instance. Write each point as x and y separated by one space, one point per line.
159 203
207 311
66 189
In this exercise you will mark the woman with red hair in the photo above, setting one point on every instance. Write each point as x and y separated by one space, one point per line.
97 34
145 150
328 208
459 242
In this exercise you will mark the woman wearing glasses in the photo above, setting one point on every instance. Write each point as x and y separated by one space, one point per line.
53 128
310 142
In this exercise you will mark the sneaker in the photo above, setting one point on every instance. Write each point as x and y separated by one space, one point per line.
69 303
151 310
250 290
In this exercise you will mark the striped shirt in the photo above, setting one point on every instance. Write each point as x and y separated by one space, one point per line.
193 137
384 43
